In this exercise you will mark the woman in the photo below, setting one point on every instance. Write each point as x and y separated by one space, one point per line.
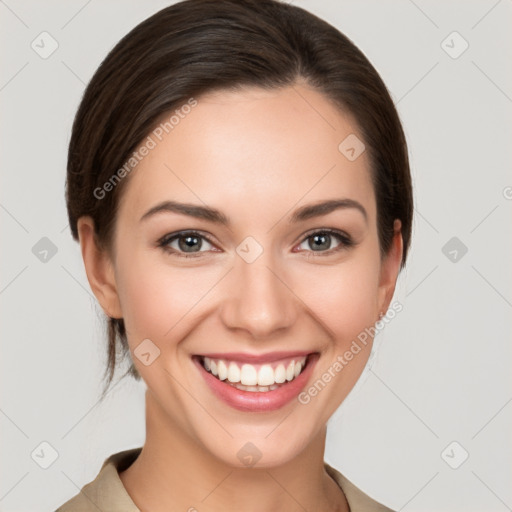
238 180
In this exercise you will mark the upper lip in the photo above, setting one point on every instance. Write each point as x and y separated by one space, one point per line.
257 358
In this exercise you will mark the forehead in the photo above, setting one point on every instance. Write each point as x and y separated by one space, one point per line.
255 152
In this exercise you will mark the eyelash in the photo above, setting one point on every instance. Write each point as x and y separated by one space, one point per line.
345 242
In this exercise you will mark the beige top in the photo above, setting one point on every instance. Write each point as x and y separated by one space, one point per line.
106 493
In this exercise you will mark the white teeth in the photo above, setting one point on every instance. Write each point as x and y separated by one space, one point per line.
261 389
250 378
222 369
266 375
290 371
280 374
248 375
233 372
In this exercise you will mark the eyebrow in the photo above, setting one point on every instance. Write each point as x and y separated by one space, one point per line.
217 217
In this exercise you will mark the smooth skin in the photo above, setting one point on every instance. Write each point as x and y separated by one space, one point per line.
257 156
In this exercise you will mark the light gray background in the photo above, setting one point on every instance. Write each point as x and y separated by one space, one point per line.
443 367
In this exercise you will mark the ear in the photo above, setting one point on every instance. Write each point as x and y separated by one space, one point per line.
390 267
99 269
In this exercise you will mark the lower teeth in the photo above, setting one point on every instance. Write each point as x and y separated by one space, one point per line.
242 387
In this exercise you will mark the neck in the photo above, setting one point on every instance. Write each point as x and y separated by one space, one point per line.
175 472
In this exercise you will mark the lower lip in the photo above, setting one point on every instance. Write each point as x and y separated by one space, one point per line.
258 401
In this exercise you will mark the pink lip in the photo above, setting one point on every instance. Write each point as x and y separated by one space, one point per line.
264 401
255 358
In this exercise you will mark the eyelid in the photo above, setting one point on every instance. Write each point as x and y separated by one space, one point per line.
171 237
346 241
338 232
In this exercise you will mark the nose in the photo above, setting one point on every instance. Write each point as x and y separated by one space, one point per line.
258 299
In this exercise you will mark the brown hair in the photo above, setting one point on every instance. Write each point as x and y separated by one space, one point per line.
198 46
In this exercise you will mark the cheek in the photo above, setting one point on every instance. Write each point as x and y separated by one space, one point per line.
343 296
156 297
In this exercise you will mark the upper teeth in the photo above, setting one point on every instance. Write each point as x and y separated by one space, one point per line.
251 375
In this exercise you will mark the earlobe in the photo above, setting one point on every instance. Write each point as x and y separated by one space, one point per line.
390 269
99 269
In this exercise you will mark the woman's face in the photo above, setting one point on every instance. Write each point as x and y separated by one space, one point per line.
274 282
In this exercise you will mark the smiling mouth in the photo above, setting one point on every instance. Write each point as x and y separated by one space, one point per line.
255 377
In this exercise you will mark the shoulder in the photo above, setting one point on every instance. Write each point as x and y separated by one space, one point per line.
106 491
358 501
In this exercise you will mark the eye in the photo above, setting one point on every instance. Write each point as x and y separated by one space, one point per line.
322 239
188 245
